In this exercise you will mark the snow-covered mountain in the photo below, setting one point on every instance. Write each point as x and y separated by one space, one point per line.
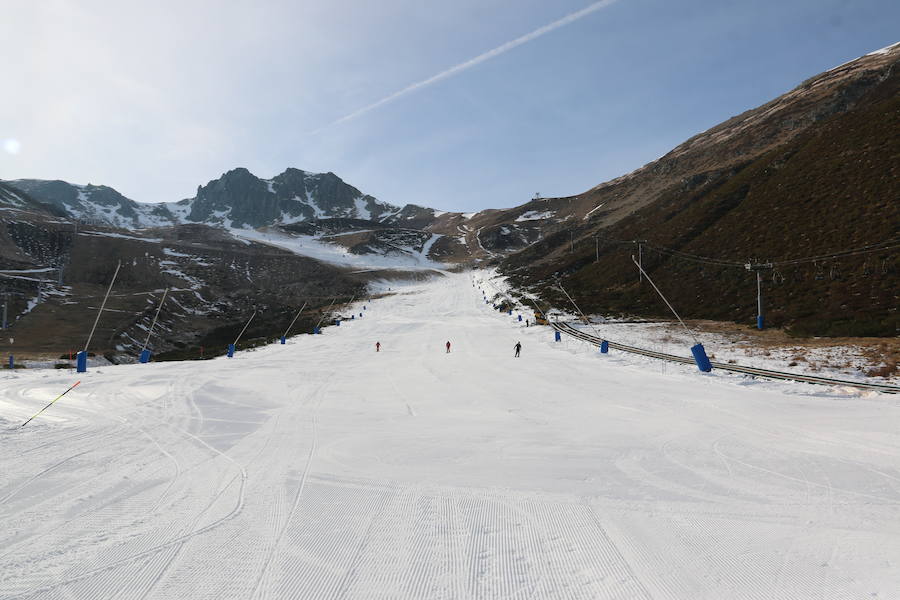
236 199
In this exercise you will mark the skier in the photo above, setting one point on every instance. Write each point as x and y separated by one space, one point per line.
377 346
527 324
518 348
448 347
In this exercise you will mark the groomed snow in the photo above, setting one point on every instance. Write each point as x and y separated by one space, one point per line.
321 469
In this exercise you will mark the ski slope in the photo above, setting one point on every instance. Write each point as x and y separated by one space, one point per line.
321 469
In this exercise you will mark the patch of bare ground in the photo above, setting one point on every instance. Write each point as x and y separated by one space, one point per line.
881 356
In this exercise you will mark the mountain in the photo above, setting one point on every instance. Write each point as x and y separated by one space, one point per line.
239 199
813 173
236 199
12 198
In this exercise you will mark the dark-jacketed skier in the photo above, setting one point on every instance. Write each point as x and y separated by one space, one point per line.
448 347
377 346
518 348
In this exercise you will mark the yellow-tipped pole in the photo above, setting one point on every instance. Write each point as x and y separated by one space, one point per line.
51 402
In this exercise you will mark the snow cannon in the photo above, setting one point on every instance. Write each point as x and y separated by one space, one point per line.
81 362
145 356
604 347
557 336
283 340
701 359
230 350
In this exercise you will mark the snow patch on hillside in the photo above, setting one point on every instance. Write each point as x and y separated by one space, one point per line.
315 247
362 212
535 215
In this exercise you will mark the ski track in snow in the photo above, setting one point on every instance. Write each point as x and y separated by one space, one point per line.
321 469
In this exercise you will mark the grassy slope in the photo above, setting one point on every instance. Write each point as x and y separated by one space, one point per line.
834 187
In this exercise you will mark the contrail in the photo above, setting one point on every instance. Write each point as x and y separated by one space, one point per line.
570 18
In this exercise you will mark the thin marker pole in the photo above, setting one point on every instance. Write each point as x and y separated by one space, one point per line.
295 319
640 262
102 306
690 333
244 329
759 300
153 324
51 402
322 318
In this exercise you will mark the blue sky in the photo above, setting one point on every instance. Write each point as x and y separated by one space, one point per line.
157 100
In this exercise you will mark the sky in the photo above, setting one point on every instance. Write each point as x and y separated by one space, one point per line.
459 106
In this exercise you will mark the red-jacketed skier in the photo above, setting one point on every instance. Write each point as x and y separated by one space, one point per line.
448 347
377 346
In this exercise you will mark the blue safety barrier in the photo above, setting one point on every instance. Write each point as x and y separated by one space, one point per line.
81 362
12 362
557 337
700 358
509 313
283 340
604 347
760 322
145 356
230 350
316 330
337 322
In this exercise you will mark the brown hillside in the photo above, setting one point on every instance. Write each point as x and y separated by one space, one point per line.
832 187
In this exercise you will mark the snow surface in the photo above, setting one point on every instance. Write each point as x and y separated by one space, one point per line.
321 469
361 211
593 210
536 215
315 247
120 235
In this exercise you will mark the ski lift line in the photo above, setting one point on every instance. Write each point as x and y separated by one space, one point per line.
885 245
691 333
155 317
297 316
50 404
102 306
245 328
735 368
846 253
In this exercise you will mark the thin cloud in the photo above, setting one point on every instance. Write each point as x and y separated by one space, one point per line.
570 18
